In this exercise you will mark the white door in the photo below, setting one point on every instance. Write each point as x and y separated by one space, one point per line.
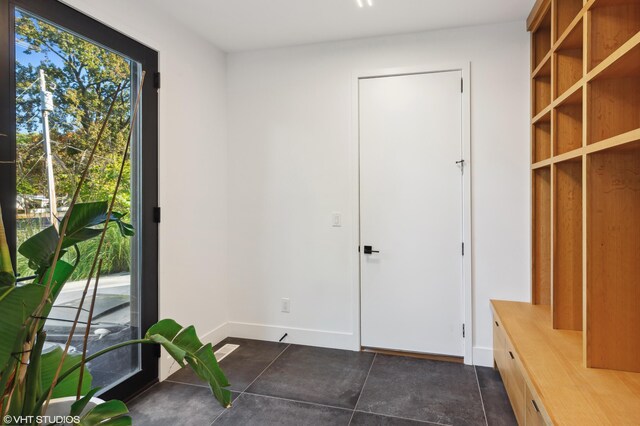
411 213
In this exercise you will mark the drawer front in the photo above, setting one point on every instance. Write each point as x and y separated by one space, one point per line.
514 383
515 372
533 415
498 345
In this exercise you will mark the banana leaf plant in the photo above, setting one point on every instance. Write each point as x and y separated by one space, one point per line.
29 376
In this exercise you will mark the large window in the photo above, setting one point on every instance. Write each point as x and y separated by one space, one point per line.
65 71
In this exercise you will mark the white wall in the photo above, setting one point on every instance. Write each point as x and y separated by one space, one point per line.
288 162
292 163
193 164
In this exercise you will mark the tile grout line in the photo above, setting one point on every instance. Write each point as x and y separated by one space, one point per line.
484 411
297 401
265 369
254 380
142 393
223 411
403 418
185 383
362 390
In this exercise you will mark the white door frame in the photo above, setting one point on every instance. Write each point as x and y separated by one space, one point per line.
354 160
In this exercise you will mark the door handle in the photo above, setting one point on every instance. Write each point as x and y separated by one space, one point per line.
369 250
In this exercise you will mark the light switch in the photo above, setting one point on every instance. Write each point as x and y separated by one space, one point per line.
336 220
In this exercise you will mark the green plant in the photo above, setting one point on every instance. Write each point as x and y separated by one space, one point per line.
29 378
116 253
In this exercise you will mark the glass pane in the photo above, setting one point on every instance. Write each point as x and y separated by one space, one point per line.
64 85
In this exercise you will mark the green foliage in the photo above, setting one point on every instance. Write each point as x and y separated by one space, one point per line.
110 413
183 345
69 385
7 276
85 77
16 305
116 255
82 226
78 407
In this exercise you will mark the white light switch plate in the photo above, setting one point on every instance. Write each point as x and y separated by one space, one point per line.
336 220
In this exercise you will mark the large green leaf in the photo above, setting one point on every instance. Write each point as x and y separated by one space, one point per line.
17 304
40 248
110 413
85 216
184 346
60 276
7 276
69 385
77 408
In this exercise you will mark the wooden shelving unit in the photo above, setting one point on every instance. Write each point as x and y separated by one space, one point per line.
572 356
585 156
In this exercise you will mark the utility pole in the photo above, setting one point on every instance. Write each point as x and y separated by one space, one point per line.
46 106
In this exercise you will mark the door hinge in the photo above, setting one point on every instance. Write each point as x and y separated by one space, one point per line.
463 249
463 331
156 80
462 85
156 214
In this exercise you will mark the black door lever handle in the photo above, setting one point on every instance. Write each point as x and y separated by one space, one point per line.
369 250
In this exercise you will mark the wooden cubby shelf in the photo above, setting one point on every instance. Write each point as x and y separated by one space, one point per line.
569 124
566 12
569 60
542 93
542 39
541 290
567 249
612 23
613 258
614 103
544 68
541 143
585 230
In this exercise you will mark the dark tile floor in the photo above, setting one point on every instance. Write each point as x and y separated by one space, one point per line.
282 384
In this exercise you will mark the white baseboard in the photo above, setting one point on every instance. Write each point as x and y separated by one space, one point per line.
300 336
483 356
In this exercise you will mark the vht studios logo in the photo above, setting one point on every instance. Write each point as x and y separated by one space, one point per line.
28 420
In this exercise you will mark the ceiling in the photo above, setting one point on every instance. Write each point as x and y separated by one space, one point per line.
237 25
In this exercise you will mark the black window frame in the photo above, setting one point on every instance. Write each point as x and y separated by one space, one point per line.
85 26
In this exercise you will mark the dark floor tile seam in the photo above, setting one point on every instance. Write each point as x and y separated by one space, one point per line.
188 384
138 396
363 385
403 418
266 368
484 411
297 401
238 399
235 403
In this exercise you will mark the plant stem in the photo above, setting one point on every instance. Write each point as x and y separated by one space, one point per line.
87 330
33 383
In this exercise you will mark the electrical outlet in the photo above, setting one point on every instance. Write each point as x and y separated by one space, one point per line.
285 305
